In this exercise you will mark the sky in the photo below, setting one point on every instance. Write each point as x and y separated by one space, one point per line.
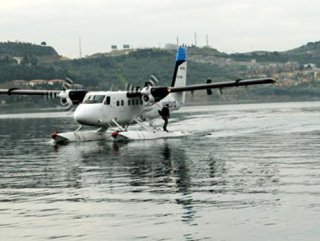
231 25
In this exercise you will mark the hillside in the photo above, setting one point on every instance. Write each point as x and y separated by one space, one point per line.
311 49
308 53
13 52
116 69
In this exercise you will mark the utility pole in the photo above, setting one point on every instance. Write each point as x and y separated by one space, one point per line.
80 48
207 40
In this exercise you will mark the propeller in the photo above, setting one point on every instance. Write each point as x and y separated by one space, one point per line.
51 95
65 100
70 96
150 93
137 91
152 81
68 83
133 91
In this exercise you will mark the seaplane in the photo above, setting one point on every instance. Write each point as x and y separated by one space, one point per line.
112 113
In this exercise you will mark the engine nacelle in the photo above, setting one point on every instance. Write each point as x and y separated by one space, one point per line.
71 97
65 102
151 95
64 98
146 96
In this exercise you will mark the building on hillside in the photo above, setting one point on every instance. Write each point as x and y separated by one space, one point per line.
20 83
38 82
170 46
310 66
56 82
77 86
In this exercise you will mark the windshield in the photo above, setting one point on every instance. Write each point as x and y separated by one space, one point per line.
91 99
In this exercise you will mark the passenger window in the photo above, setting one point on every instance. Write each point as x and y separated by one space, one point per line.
122 102
129 102
107 102
118 103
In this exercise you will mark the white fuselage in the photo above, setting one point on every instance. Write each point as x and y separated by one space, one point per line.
109 108
103 108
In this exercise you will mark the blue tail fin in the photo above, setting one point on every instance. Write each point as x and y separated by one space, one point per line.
179 77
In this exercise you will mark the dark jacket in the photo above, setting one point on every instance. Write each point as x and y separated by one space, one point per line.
164 112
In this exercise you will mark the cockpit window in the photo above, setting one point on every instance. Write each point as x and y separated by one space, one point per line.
92 99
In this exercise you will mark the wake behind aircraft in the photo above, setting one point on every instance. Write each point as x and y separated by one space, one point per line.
112 112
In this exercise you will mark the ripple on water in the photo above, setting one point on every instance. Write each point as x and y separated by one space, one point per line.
247 172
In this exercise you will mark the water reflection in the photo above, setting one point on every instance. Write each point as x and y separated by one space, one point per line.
255 173
176 166
166 152
156 167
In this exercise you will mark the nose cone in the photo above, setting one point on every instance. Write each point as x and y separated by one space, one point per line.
87 115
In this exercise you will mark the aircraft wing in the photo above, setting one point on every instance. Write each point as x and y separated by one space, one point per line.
17 91
69 96
221 85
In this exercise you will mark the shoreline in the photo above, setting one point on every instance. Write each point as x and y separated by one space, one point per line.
10 110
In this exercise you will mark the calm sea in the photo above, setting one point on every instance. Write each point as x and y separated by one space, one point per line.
246 173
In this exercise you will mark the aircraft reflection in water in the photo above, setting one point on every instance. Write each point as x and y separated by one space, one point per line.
143 166
166 171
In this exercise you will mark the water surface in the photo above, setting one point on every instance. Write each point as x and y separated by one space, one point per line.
247 172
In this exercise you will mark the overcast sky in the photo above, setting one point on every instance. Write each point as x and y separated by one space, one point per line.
231 25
